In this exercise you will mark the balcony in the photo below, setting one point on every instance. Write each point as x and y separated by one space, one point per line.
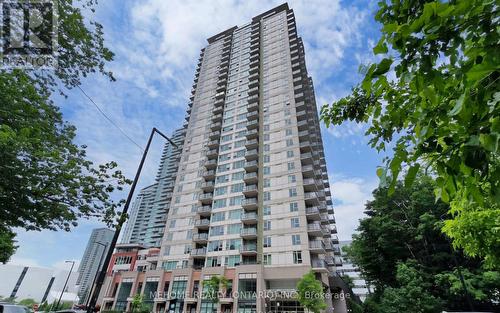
252 107
311 198
200 238
305 146
202 223
249 203
316 246
199 253
251 134
252 125
249 233
338 261
306 158
250 178
312 213
328 245
213 144
248 249
212 154
216 126
309 184
252 115
204 210
210 164
335 239
209 175
206 198
314 229
251 154
329 261
251 166
249 218
319 266
253 99
250 190
307 171
214 135
252 144
216 118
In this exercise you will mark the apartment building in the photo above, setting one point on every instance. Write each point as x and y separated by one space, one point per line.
149 210
96 249
251 200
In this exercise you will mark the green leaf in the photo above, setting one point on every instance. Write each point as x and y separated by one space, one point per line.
383 67
489 142
479 71
412 173
381 47
459 104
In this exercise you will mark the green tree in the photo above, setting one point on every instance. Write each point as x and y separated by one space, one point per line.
310 293
138 306
401 238
434 97
46 181
213 286
412 293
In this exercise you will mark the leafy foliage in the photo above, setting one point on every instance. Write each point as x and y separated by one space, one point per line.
213 286
401 250
46 181
310 293
435 98
138 306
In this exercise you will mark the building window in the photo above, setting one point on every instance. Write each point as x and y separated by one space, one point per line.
267 158
289 142
266 170
288 132
267 242
297 257
266 259
219 191
219 203
267 210
222 179
232 260
267 195
289 154
295 240
235 214
215 245
217 217
172 223
292 192
267 225
216 230
234 228
295 222
291 166
237 176
233 244
237 188
294 207
292 179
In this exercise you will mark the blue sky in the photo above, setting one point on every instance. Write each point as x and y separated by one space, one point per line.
157 44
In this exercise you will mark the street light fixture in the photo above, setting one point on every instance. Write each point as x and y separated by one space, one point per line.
121 221
65 283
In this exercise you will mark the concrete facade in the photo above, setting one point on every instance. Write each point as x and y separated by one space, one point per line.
251 200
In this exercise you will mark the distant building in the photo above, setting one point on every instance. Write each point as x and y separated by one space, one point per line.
37 283
96 249
361 288
148 213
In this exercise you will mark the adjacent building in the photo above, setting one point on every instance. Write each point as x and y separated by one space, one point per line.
93 256
149 211
360 287
38 283
251 199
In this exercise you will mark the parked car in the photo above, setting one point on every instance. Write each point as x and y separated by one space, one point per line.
13 308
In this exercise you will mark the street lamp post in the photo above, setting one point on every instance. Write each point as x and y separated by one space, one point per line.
99 269
121 221
65 283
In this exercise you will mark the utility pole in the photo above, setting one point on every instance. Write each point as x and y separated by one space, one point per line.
65 283
121 221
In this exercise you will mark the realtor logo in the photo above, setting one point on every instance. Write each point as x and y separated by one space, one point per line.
28 33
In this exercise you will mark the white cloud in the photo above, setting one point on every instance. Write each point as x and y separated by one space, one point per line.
24 261
350 195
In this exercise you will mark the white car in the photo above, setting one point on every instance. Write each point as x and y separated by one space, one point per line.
13 308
